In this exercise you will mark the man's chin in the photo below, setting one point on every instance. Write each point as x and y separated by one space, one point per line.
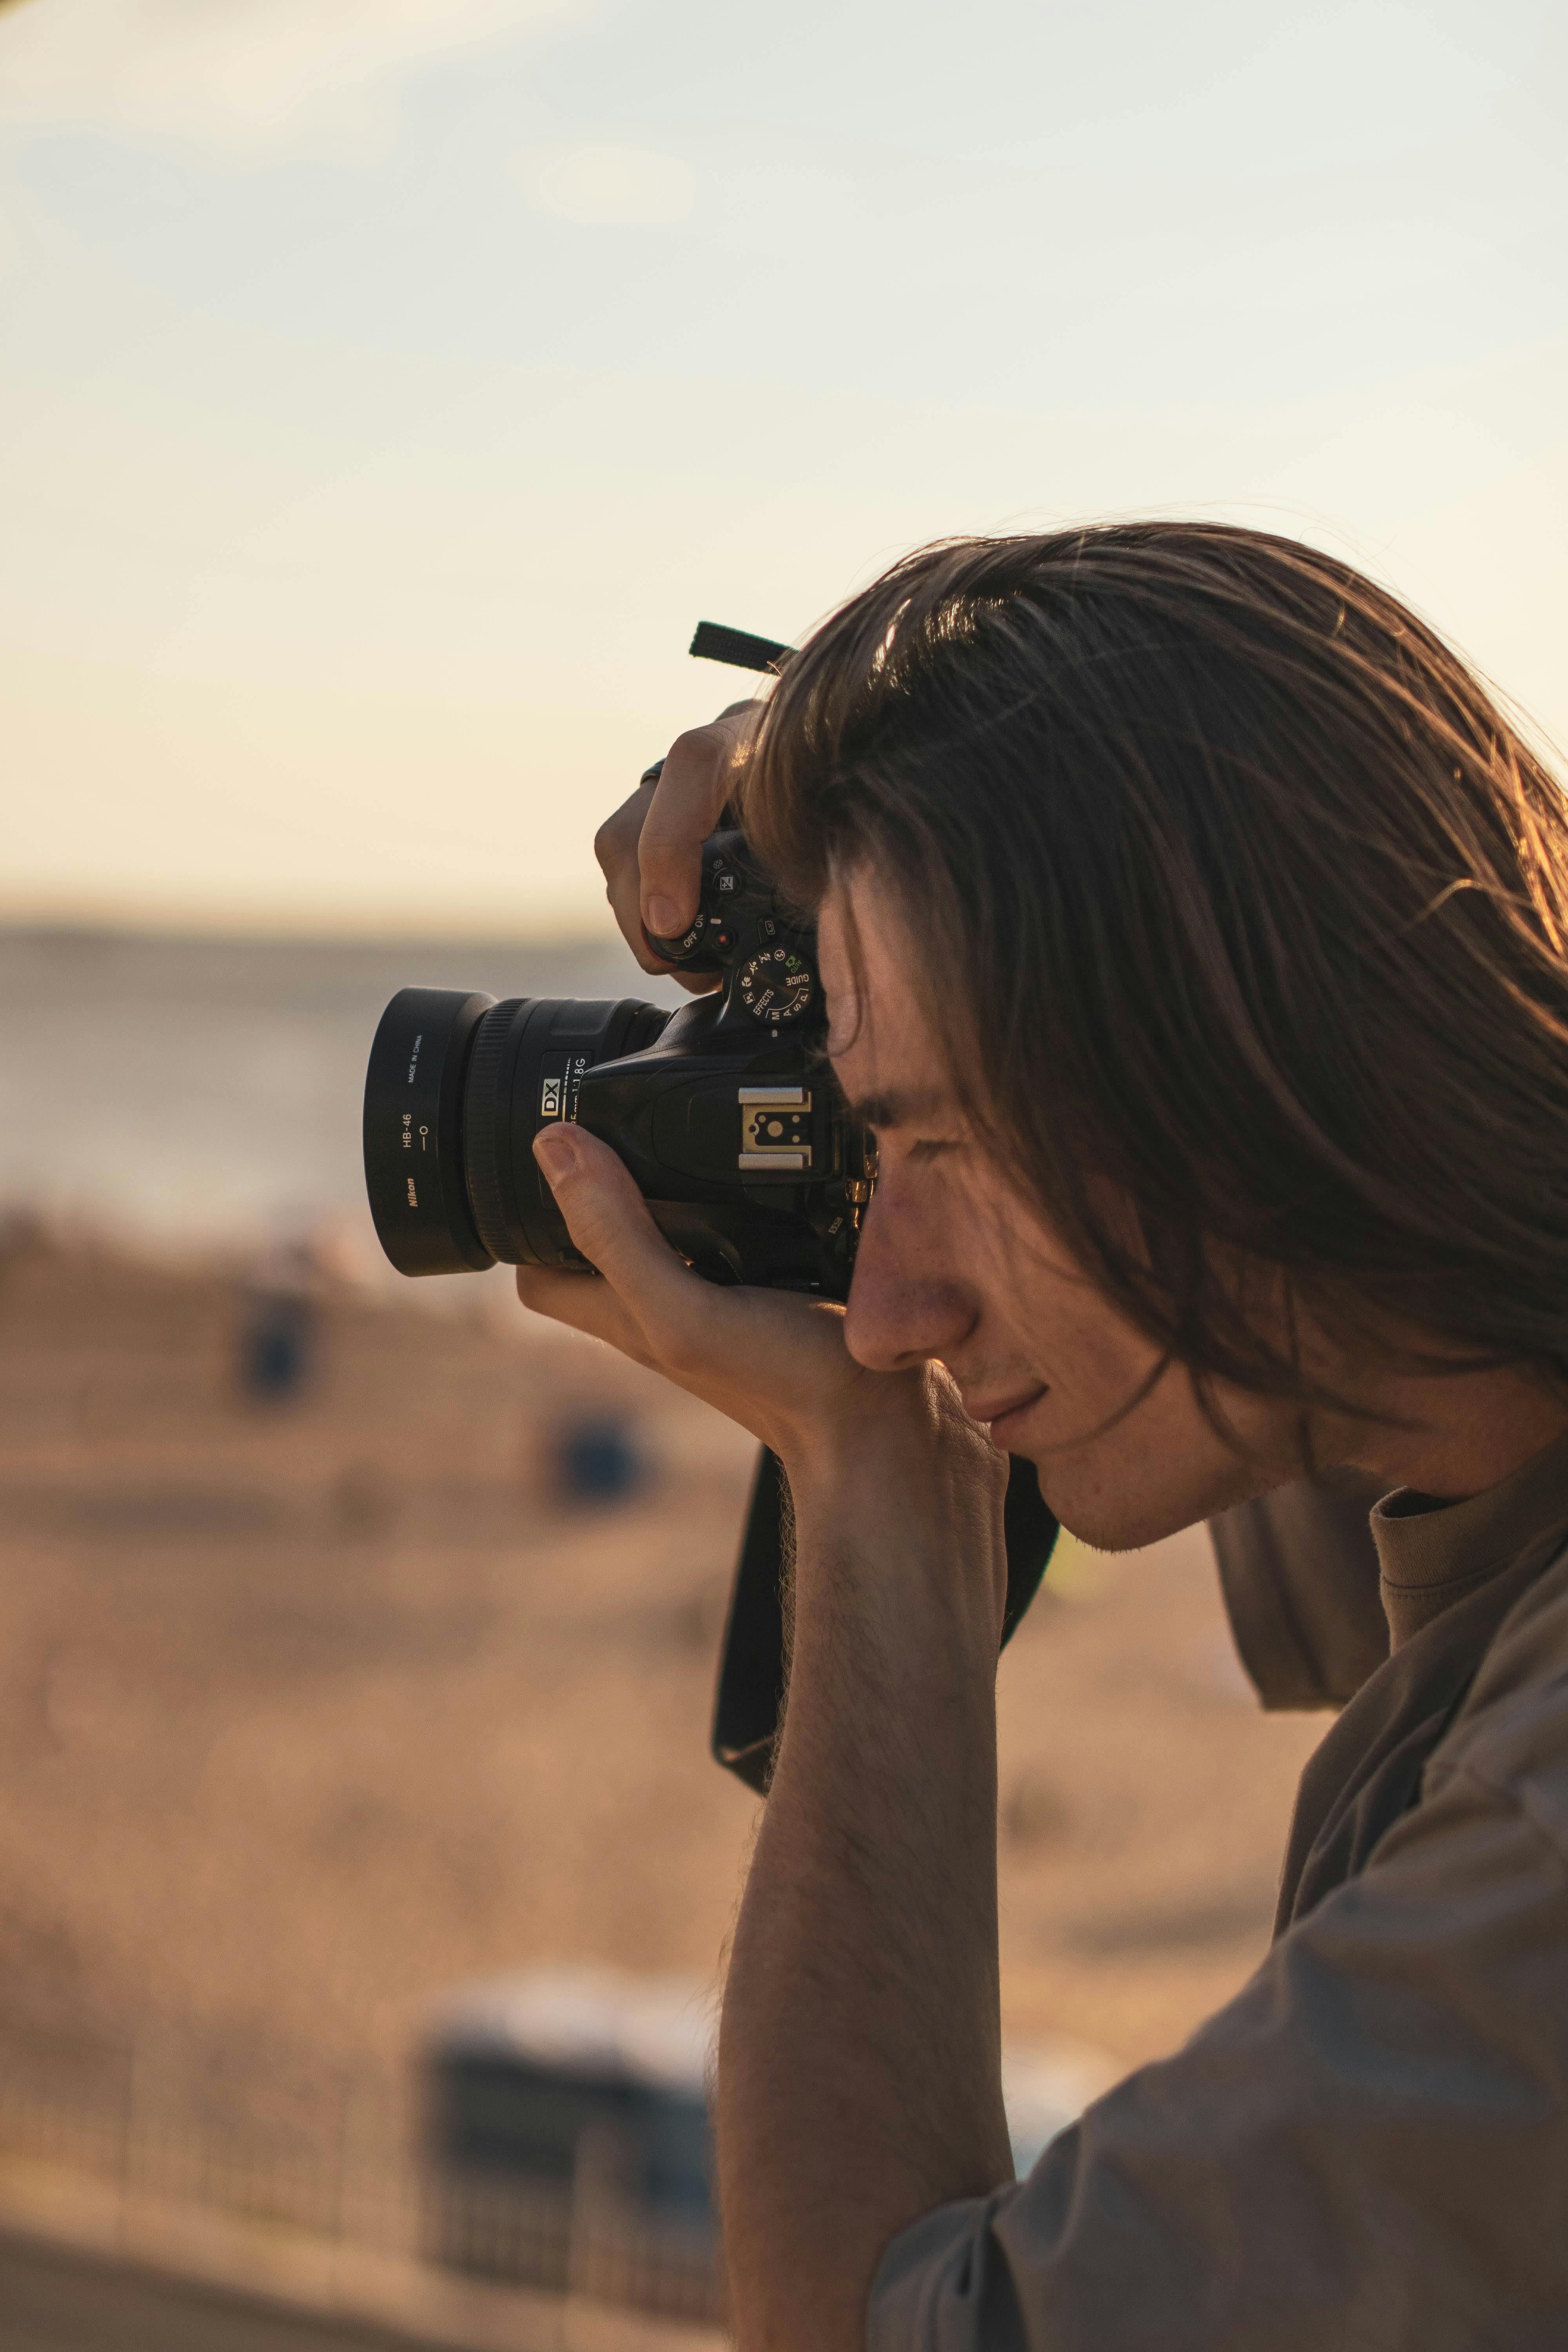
1113 1531
1125 1515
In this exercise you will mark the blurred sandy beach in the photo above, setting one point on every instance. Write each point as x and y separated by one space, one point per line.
319 1705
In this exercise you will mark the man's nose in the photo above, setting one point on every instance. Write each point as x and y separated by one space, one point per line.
903 1308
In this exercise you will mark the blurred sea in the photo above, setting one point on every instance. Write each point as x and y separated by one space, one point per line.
207 1091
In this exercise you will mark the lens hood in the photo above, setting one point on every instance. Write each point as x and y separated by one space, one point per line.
414 1132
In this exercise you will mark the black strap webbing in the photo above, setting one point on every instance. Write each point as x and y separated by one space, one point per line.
736 646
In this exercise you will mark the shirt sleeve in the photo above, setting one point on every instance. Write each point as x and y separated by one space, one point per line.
1366 2149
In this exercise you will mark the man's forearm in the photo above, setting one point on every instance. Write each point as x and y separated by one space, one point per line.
859 2064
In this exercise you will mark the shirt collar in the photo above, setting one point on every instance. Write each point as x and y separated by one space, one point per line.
1432 1552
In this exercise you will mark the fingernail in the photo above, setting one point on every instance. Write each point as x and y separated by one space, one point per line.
662 918
555 1148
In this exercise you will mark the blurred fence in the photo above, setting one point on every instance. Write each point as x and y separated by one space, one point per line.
339 2161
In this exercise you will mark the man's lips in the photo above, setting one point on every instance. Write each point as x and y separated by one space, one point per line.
1006 1413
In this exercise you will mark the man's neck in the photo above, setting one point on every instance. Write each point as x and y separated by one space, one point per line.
1462 1433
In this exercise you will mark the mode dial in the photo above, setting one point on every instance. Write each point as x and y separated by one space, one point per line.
775 986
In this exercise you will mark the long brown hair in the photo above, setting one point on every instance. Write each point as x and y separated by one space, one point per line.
1240 904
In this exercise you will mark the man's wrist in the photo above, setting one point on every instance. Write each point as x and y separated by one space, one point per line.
887 1527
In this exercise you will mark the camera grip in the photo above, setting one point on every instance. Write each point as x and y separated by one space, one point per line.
752 1663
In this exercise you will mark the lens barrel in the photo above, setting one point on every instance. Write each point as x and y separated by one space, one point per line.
456 1088
529 1057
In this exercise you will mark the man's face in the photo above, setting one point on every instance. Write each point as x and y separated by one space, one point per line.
954 1266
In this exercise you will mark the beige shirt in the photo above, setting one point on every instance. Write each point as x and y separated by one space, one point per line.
1368 2148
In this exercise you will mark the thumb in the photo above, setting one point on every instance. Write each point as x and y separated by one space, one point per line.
607 1217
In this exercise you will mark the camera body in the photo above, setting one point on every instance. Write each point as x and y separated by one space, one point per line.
725 1111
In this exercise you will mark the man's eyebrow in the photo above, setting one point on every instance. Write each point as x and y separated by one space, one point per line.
898 1106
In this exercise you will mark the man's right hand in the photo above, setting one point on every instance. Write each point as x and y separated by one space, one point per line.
650 850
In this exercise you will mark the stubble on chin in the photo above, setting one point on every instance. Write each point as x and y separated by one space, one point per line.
1122 1499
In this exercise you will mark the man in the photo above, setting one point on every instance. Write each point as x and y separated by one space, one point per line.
1194 931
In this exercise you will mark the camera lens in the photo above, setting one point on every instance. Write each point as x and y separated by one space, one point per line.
525 1066
413 1131
456 1089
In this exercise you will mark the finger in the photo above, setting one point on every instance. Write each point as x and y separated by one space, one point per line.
687 802
616 847
583 1303
608 1220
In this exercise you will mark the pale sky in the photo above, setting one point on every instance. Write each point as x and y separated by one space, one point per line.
387 386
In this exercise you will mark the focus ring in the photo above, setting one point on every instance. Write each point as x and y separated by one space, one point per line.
484 1128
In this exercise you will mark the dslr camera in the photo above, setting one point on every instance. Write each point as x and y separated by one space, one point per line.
727 1114
724 1111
